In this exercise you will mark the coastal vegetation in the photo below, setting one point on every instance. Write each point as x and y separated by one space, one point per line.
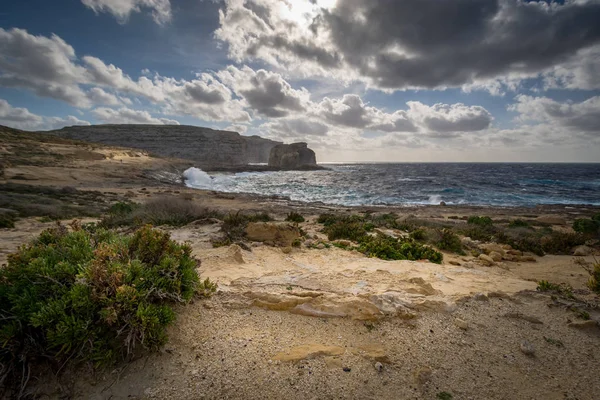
90 294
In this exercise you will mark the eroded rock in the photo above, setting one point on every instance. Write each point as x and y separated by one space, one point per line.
279 233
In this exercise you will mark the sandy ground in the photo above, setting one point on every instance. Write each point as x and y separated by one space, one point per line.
329 323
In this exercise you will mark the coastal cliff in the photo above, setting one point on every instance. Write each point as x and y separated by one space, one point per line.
208 148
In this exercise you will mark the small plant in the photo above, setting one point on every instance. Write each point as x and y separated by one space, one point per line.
482 221
294 217
586 226
561 289
593 269
582 314
518 223
369 325
554 342
297 242
444 396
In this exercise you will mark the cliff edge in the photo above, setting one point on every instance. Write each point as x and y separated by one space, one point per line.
207 148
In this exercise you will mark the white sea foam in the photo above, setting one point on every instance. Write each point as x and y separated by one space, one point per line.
197 178
435 199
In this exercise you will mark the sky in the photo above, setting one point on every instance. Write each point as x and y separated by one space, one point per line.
358 80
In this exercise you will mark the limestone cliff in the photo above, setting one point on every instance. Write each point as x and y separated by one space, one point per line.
208 148
292 156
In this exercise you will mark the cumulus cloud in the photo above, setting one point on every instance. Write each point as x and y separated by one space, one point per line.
22 118
126 115
413 43
122 9
265 92
449 118
99 96
294 129
579 117
44 65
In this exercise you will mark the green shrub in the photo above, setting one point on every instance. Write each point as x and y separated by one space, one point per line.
587 226
449 241
561 242
596 217
518 223
388 248
294 217
84 296
483 221
330 219
419 234
348 229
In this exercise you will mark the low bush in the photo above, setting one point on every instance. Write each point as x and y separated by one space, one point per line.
234 226
518 223
91 296
348 229
449 241
388 248
483 221
586 226
561 242
173 211
294 217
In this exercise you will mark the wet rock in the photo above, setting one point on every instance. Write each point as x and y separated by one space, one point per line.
280 233
486 260
442 203
582 251
527 348
494 255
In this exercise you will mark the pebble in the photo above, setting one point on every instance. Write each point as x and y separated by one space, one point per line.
461 324
527 348
347 369
379 366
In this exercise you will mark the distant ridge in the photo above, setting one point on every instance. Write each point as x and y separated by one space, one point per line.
208 148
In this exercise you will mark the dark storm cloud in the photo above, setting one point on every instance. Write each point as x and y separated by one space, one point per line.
455 42
423 43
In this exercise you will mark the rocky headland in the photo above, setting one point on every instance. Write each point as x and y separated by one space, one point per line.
209 149
292 156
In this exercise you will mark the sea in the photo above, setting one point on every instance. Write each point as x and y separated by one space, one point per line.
481 184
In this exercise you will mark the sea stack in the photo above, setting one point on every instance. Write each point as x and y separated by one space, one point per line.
292 156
